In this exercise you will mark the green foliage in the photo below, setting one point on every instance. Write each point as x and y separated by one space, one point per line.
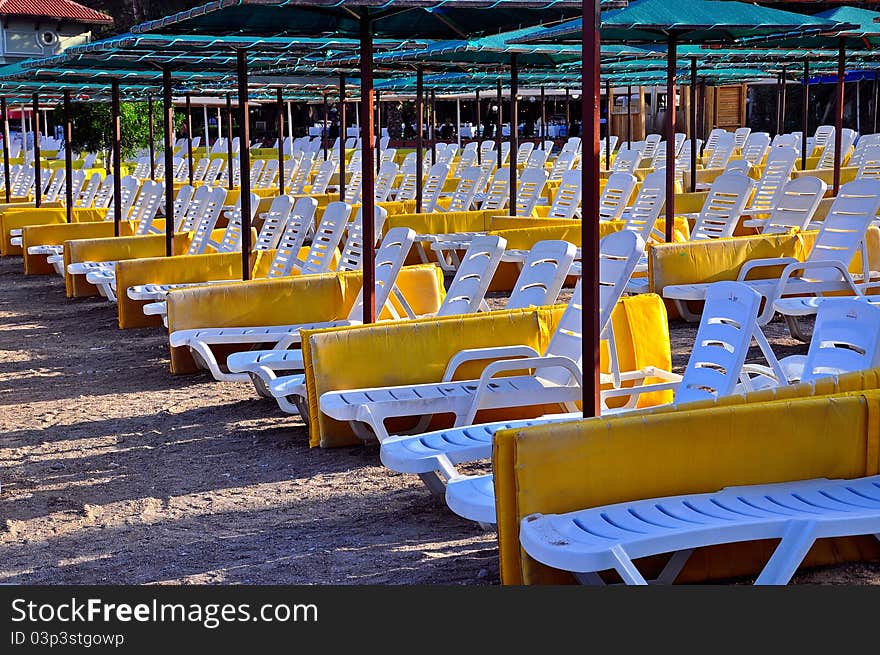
92 129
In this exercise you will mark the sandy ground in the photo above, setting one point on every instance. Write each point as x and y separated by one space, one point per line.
115 472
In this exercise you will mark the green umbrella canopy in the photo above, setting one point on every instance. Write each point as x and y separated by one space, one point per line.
863 31
696 21
488 51
421 19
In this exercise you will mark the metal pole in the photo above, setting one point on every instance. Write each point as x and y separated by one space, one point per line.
219 123
342 134
289 121
567 115
280 142
432 112
324 134
543 118
230 182
607 123
244 162
368 195
420 126
378 131
499 120
591 111
189 138
629 121
514 132
805 114
693 184
874 103
116 134
168 125
6 148
152 144
782 99
480 127
207 130
68 159
779 103
38 168
838 119
672 58
458 122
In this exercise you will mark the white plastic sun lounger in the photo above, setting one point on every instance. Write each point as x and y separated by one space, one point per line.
613 536
556 380
538 284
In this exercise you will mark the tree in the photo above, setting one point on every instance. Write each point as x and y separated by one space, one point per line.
92 129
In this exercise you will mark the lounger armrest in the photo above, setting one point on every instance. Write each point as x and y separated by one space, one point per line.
752 264
791 269
476 354
493 369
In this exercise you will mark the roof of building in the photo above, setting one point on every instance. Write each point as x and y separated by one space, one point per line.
54 9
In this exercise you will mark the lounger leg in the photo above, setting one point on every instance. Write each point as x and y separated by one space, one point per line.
673 567
794 328
790 552
625 567
684 312
434 483
591 579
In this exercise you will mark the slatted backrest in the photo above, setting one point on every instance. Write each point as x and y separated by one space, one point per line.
201 169
408 187
389 258
756 147
212 205
847 138
287 249
798 202
104 194
89 160
434 186
269 175
564 162
25 182
714 135
56 186
573 143
322 179
786 141
353 186
388 155
471 282
215 168
352 256
723 207
651 143
846 337
684 153
409 163
231 239
869 163
385 181
327 237
191 208
86 196
727 325
615 196
740 136
722 151
181 169
646 208
78 179
505 152
777 172
543 274
468 157
864 142
523 153
181 205
537 159
355 160
530 190
445 153
274 222
257 166
626 161
487 146
468 182
844 227
488 165
301 176
738 166
568 196
498 193
128 188
824 135
148 203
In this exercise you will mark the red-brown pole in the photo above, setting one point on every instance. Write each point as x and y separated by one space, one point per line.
244 163
420 126
342 135
168 153
514 132
116 135
280 98
189 138
838 119
368 194
68 159
672 59
38 177
591 111
6 176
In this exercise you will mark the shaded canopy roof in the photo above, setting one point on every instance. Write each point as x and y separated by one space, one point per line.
424 19
863 31
696 21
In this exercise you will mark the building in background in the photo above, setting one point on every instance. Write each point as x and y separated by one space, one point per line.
41 28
